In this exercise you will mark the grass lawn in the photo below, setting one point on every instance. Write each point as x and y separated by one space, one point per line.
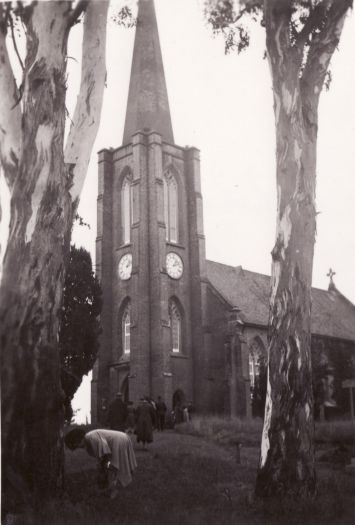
197 480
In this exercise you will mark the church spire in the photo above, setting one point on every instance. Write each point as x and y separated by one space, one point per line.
147 106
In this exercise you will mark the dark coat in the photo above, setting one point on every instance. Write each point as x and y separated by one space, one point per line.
161 408
145 420
117 415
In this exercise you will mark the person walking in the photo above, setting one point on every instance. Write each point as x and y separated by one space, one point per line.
113 450
117 414
161 411
145 421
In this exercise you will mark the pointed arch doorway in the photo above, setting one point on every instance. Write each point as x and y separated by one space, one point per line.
179 401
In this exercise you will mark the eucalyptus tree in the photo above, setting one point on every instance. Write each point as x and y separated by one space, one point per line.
301 37
45 177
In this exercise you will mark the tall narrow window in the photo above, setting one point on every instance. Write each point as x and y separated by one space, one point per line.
126 210
126 331
256 353
252 371
171 207
175 327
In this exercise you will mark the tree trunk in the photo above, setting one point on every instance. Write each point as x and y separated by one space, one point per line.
42 207
287 454
298 63
33 272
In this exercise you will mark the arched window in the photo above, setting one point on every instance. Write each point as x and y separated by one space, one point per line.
257 354
171 214
126 206
257 376
126 330
175 327
253 369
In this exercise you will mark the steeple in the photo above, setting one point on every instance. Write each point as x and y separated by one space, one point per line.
147 106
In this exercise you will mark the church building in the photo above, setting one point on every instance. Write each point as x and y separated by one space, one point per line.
176 325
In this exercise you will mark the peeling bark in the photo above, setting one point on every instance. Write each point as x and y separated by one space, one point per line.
88 109
33 268
10 114
287 451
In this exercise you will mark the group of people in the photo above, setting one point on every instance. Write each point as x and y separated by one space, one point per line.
113 447
140 420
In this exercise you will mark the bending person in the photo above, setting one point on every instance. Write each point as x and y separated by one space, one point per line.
113 450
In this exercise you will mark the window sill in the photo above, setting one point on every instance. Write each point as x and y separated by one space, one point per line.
178 355
175 244
122 246
124 359
120 363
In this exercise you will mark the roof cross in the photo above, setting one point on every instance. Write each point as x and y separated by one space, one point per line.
330 274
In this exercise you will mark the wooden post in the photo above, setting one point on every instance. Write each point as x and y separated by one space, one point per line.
351 404
350 384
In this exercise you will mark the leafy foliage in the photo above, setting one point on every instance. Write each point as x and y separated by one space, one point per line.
81 221
125 18
80 326
232 23
231 18
334 364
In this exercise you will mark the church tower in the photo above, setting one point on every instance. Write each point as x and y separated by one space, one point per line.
150 246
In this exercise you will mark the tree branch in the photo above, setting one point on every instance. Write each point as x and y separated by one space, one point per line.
322 48
277 15
15 44
87 113
10 115
80 7
313 20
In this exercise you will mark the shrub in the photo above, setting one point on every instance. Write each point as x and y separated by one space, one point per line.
224 430
229 431
335 432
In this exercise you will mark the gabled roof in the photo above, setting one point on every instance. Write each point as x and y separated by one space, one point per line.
332 314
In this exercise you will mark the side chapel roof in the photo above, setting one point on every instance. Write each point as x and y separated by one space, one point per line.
332 314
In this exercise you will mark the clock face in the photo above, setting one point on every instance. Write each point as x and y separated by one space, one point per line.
125 267
174 265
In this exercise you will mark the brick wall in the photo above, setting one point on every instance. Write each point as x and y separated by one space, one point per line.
151 368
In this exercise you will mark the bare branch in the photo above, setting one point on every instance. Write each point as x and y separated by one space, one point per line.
10 115
88 108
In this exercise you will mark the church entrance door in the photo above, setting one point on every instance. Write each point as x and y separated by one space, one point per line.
179 401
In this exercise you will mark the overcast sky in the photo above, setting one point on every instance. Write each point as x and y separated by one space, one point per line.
223 106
